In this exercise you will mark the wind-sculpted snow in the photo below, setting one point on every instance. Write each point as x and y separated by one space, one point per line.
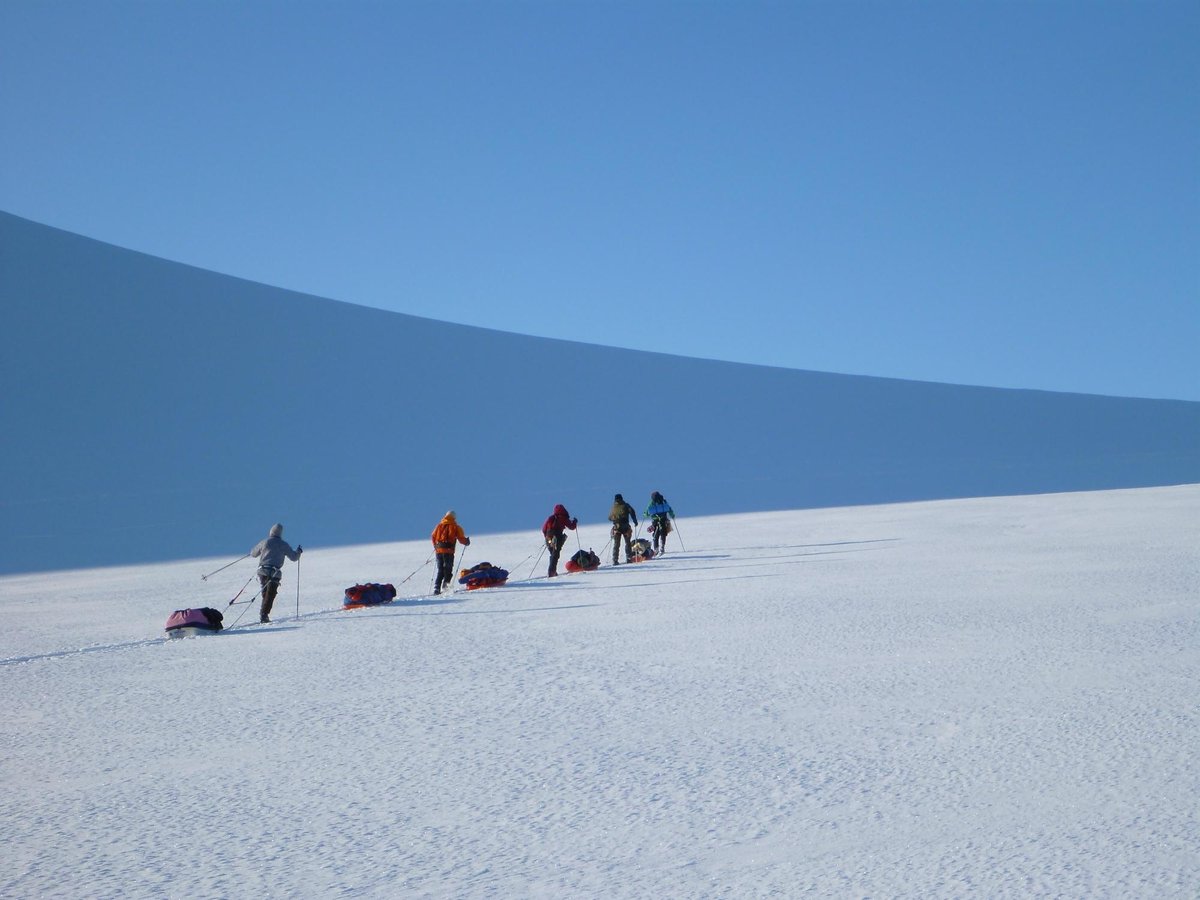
154 411
992 698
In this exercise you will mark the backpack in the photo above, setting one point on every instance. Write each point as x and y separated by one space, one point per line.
370 594
482 575
642 550
586 560
620 513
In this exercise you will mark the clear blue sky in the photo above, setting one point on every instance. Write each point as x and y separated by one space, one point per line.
979 192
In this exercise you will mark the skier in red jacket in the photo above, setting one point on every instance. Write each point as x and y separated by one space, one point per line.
555 533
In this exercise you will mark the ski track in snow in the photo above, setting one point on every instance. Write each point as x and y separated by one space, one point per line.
991 698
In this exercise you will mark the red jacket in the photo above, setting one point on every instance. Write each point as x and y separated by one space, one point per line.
559 520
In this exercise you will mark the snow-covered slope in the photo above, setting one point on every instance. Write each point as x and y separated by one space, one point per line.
155 411
989 698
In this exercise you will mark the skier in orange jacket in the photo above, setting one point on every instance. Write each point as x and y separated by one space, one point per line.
445 536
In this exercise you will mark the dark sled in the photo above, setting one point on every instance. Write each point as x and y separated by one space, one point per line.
583 561
642 550
484 575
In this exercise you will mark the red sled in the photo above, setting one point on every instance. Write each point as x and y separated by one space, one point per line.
368 595
583 561
484 575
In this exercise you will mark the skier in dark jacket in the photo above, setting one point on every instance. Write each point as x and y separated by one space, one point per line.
270 554
555 532
620 515
661 515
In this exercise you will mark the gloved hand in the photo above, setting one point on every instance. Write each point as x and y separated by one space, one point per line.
466 542
574 523
299 549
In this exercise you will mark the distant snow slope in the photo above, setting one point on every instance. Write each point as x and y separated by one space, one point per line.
990 698
154 411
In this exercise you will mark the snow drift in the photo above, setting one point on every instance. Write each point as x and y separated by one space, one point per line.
972 698
156 411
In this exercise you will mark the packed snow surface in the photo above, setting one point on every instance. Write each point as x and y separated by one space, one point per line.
989 698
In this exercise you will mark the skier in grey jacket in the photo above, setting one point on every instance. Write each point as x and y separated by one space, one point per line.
271 553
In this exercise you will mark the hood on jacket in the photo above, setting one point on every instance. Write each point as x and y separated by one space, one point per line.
560 510
276 530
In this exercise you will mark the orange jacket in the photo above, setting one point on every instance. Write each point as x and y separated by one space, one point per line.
447 532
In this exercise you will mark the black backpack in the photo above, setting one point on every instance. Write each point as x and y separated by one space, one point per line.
586 559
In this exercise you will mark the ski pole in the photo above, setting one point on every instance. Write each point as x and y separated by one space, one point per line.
239 593
461 557
538 560
297 587
678 535
419 568
249 603
223 568
522 562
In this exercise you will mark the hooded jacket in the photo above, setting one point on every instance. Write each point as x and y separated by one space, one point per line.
558 521
446 533
273 550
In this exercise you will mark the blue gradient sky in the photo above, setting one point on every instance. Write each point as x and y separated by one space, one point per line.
980 192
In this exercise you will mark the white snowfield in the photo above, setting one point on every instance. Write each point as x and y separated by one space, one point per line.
980 698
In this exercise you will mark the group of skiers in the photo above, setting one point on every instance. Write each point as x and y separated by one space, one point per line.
448 534
554 532
624 519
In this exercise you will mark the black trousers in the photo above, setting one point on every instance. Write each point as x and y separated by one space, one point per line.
661 528
618 532
445 571
555 541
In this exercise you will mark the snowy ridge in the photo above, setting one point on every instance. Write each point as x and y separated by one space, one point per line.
987 697
155 411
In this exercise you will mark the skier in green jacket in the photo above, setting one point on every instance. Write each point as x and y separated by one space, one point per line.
620 515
